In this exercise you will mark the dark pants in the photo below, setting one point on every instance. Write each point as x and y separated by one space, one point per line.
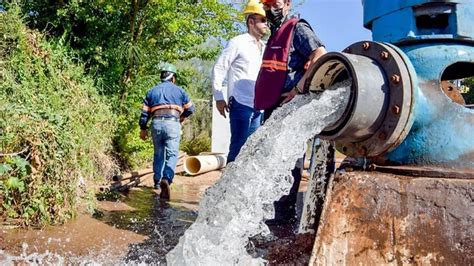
285 206
244 121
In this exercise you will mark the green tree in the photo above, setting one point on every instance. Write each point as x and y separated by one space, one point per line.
123 42
469 94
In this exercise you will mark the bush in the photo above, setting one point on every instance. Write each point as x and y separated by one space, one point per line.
197 145
56 129
469 94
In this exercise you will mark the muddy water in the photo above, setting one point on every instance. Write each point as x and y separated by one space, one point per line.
137 228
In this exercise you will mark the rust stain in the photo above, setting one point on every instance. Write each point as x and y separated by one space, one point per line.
382 218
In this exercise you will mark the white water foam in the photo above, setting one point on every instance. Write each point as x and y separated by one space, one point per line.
236 207
29 257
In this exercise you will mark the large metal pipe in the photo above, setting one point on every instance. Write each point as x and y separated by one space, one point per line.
360 119
379 114
398 112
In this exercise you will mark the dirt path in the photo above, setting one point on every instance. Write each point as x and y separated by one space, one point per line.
120 229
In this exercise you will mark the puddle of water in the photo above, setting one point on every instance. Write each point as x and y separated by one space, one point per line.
138 229
235 208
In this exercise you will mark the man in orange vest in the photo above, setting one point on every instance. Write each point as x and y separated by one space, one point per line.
292 48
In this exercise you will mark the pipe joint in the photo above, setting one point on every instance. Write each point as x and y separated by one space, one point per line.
379 114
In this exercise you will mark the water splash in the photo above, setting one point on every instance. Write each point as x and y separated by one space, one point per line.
112 242
47 258
235 208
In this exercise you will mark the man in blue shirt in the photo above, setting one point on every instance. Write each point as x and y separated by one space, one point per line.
167 105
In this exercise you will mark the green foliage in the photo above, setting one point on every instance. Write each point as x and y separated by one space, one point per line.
54 126
469 94
52 113
195 78
124 42
134 152
13 177
197 131
197 145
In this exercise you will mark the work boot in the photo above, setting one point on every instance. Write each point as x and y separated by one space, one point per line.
165 189
285 207
156 186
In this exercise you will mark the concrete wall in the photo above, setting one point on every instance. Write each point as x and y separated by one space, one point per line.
220 130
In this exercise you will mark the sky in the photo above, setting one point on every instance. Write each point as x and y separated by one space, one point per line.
338 23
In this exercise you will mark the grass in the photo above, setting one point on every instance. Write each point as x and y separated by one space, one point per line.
56 129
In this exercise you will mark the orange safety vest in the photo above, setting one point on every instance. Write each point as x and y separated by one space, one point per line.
274 69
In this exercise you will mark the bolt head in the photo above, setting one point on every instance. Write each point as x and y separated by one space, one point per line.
384 55
396 109
382 136
395 79
366 45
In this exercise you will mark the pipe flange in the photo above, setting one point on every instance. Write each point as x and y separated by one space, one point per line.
398 119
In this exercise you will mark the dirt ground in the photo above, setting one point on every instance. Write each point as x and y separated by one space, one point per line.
135 228
91 238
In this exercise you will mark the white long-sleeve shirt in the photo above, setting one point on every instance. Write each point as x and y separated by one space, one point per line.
240 63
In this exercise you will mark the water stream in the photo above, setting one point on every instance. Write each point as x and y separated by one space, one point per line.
236 207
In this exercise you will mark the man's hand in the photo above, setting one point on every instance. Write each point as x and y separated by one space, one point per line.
222 107
143 134
288 96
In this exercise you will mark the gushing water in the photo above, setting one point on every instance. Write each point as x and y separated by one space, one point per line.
236 207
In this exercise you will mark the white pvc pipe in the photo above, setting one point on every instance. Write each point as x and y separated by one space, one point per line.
199 164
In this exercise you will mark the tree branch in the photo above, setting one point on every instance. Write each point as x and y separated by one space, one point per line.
14 153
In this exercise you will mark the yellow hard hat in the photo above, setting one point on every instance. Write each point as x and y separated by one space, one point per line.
254 7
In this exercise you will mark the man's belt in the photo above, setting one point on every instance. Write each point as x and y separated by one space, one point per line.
166 112
162 118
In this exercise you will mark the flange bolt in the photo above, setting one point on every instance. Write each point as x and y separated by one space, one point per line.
384 55
396 109
366 46
395 79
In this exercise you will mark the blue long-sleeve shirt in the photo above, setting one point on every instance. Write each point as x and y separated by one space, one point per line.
165 95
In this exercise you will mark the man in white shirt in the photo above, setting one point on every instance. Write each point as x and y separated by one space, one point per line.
239 64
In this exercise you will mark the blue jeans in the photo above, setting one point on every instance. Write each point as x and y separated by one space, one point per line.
166 135
244 121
